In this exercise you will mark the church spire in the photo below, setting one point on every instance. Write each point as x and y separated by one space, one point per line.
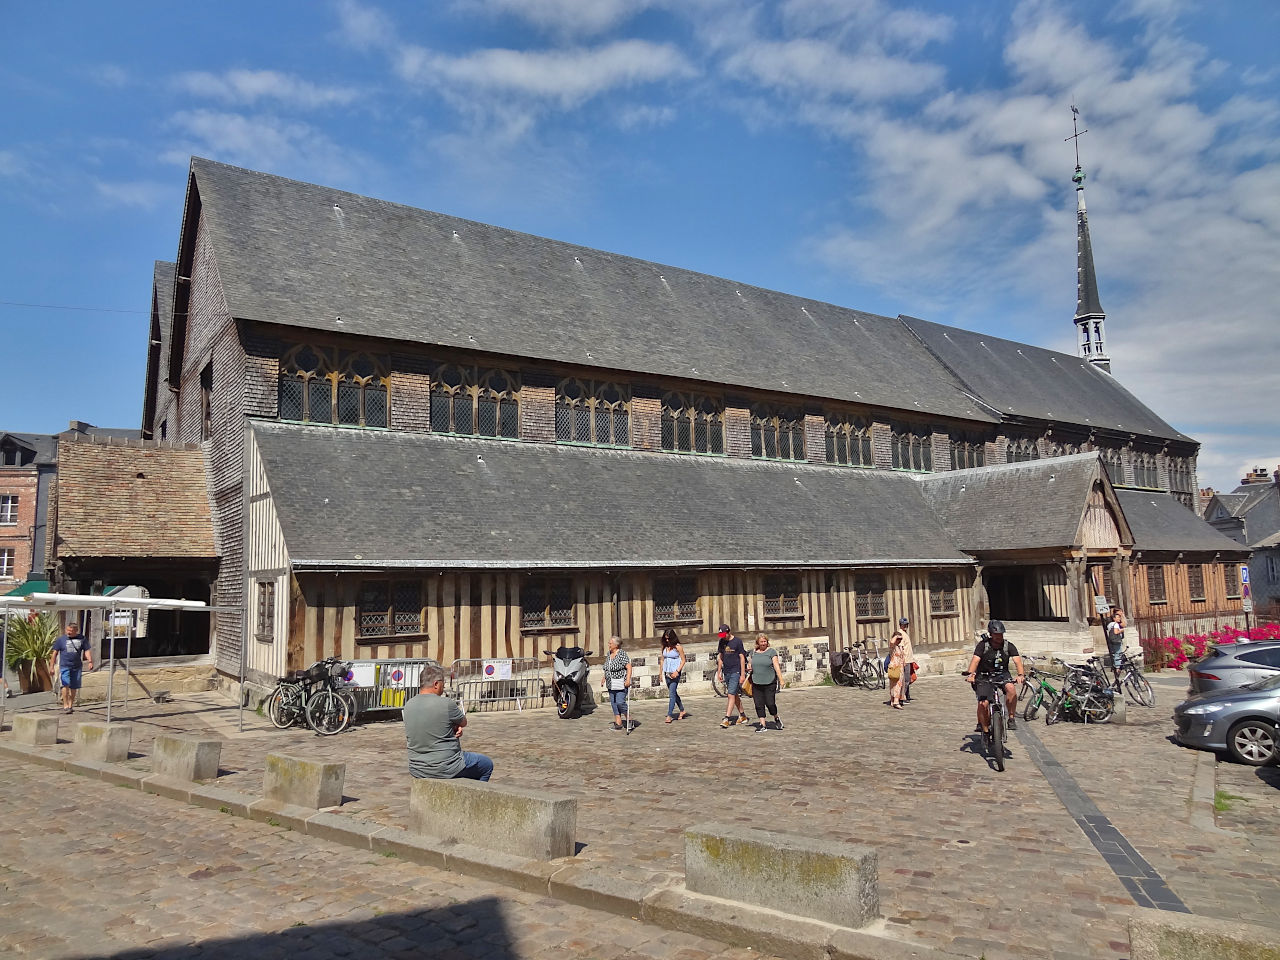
1090 320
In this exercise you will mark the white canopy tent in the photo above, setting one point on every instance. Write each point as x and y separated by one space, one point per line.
65 602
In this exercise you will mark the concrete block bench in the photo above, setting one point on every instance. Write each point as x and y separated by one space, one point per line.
35 729
1162 935
303 783
525 823
835 882
186 757
103 742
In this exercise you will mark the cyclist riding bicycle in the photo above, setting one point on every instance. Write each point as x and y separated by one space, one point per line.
991 659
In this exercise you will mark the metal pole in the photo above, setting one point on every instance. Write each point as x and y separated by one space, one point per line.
4 657
111 671
240 692
128 655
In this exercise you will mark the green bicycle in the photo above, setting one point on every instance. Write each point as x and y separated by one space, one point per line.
1038 692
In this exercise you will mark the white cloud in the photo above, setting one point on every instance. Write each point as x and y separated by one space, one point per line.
867 20
262 142
566 17
11 164
247 87
364 28
109 75
819 68
569 77
141 194
645 117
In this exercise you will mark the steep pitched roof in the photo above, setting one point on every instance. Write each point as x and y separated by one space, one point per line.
348 499
163 274
1161 523
45 446
127 500
1014 506
1233 503
1260 510
1024 381
357 265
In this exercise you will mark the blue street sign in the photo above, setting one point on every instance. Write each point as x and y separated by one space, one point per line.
1244 573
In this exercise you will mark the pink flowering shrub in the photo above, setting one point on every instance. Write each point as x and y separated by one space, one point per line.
1177 652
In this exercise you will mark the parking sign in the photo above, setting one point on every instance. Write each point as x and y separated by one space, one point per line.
1244 573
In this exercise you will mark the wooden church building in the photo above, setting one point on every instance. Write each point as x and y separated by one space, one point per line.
426 436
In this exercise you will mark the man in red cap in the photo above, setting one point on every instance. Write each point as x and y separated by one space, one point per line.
731 660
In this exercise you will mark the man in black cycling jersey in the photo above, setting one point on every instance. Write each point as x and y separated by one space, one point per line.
991 658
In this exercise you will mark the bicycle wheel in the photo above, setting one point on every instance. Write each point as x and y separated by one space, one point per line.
283 707
868 675
997 737
327 713
353 706
1032 706
1139 690
1096 708
1052 710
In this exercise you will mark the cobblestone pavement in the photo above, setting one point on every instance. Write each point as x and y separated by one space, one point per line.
971 860
91 870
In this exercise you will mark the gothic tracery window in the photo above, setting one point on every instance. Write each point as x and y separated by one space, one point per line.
1146 473
332 385
849 443
1113 460
777 434
692 424
475 402
588 412
967 453
911 449
1021 450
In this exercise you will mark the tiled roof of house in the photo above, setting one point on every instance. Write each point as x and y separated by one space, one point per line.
1015 506
129 500
1025 381
162 277
1161 523
351 498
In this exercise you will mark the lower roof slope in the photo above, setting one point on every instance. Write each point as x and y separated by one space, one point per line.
1014 506
349 499
1161 523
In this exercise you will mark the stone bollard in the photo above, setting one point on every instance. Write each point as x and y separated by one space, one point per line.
835 882
526 823
186 757
103 742
303 783
35 729
1161 935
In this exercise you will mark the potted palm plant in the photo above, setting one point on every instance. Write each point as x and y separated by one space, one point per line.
29 648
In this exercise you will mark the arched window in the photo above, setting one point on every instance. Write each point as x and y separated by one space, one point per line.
588 412
911 450
1182 480
849 442
475 402
692 424
1021 450
777 435
967 453
1146 472
329 385
1113 460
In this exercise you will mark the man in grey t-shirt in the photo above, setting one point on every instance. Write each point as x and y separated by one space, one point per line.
432 725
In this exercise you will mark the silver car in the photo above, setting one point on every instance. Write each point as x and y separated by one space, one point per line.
1244 722
1231 665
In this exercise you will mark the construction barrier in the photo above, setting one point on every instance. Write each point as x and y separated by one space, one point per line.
384 684
500 684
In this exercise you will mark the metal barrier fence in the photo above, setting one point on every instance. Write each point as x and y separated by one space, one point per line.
502 684
385 684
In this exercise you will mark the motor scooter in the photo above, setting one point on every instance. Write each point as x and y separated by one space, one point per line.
569 678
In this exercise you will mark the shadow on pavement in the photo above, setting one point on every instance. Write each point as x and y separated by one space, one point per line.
1268 775
475 928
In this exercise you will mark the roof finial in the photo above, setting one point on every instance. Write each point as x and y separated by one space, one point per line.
1090 320
1076 134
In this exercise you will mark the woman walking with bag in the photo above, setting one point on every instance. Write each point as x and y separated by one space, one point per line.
672 673
764 669
617 678
898 669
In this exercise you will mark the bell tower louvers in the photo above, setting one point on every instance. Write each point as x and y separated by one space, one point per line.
1091 322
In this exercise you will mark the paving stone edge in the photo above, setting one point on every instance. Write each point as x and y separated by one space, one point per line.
664 903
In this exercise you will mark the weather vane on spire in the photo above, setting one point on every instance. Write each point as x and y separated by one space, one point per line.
1075 137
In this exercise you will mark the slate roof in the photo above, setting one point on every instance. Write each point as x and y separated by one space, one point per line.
162 276
1260 510
348 499
407 274
1014 506
1087 302
45 446
1161 523
1233 502
1025 381
127 500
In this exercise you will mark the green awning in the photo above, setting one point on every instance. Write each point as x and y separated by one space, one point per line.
28 588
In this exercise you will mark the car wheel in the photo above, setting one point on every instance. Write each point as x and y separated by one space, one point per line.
1253 742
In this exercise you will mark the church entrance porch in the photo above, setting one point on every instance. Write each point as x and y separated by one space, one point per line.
1034 592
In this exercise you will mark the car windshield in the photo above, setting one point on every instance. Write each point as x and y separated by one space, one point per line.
1266 683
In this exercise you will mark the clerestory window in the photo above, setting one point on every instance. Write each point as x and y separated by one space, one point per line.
777 434
911 450
331 385
475 402
849 443
692 424
590 412
1021 451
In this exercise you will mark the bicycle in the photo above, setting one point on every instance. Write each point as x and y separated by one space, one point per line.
1127 676
854 666
1036 690
997 732
1086 696
313 697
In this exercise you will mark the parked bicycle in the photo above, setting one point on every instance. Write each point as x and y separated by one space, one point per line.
317 697
1086 695
857 666
1127 676
1036 691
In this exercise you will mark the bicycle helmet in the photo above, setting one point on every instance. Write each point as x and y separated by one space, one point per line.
995 626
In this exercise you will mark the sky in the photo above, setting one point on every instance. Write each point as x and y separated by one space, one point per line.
895 158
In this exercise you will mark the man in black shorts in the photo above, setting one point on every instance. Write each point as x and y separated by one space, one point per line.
991 659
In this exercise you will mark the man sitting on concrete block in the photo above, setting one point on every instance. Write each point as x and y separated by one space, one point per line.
432 726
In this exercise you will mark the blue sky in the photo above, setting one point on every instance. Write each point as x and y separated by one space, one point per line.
897 158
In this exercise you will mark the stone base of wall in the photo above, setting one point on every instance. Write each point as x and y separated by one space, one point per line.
804 663
179 679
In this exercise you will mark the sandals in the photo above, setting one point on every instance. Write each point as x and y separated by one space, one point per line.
669 720
683 714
